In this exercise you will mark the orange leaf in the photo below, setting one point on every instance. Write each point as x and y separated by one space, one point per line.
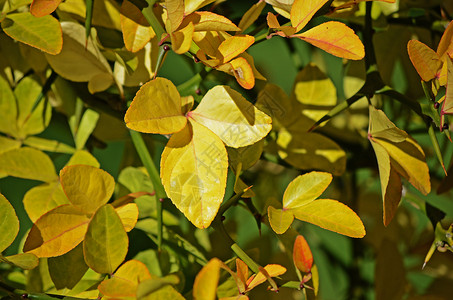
242 270
335 38
445 42
41 8
235 45
302 257
425 60
243 72
265 274
302 11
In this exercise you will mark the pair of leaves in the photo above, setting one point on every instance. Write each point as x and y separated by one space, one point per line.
9 228
397 155
87 218
194 163
333 37
298 202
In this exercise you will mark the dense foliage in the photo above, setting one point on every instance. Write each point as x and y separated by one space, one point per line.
202 149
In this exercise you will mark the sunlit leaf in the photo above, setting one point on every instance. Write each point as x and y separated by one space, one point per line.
9 223
205 285
106 243
279 219
128 214
156 108
80 60
41 8
136 30
28 163
235 45
83 157
208 21
175 14
43 33
445 42
231 117
305 188
105 13
47 240
302 11
68 269
193 171
181 39
43 198
26 261
271 270
87 187
335 38
48 145
193 5
243 72
425 60
85 128
251 15
331 215
302 257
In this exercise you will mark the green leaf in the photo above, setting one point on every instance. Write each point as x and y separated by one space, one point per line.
43 198
9 223
106 242
43 33
331 215
26 261
205 285
68 269
156 108
236 121
149 286
193 171
28 163
305 188
87 187
86 127
246 156
8 123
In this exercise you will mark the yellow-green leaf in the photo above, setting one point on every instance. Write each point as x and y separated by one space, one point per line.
43 33
43 198
45 239
26 261
9 223
279 219
231 117
245 157
41 8
425 60
28 163
128 214
331 215
251 15
83 157
8 104
68 269
305 188
335 38
48 145
205 285
302 11
7 144
136 30
156 108
208 21
106 242
87 187
147 288
302 257
193 171
80 60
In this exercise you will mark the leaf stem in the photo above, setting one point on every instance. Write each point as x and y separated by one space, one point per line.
149 15
147 161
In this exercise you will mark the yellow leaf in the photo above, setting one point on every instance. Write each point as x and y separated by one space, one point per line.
236 121
447 106
243 72
43 198
331 215
26 261
8 123
175 14
156 108
279 219
234 45
47 240
193 170
83 157
80 60
9 223
302 11
251 15
193 5
126 279
106 242
28 163
205 285
445 42
335 38
7 144
425 60
302 257
305 188
208 21
265 274
136 30
283 7
87 187
181 39
128 214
